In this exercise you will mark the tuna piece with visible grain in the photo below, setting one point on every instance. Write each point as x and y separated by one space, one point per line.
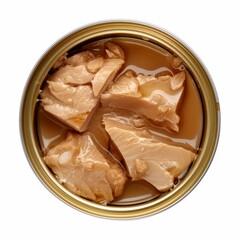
155 98
85 170
73 91
73 106
105 75
148 158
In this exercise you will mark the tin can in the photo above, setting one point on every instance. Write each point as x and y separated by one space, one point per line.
146 33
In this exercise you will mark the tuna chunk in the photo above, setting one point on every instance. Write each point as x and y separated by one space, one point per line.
72 105
105 75
85 170
155 98
74 75
114 51
148 158
73 91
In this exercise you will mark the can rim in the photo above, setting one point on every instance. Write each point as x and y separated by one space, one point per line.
148 33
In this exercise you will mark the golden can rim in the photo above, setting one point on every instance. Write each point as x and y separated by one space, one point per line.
148 33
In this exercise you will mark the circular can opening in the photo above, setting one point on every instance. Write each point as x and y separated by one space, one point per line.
120 119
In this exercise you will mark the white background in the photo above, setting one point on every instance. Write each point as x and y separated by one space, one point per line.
28 210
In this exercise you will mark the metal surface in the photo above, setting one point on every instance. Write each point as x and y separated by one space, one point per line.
147 33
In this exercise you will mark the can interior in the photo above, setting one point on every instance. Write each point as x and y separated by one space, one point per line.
149 59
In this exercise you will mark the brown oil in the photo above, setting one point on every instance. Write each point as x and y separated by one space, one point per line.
149 59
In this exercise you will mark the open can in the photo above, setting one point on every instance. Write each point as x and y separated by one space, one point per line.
144 33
